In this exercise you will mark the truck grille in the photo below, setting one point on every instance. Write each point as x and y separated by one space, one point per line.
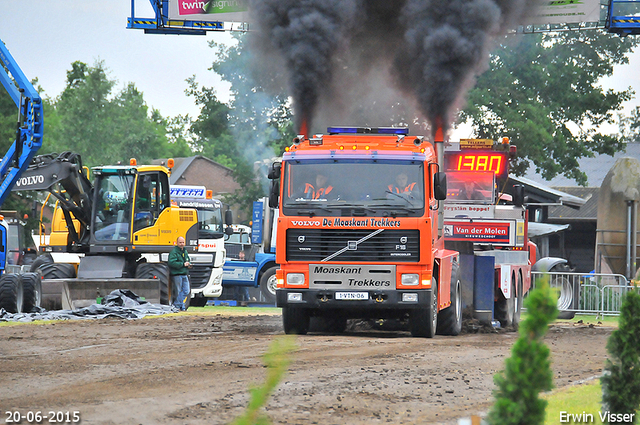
310 245
199 276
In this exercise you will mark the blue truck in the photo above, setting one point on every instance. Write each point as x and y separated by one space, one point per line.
251 254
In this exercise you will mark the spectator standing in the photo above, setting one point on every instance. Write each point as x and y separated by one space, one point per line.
179 265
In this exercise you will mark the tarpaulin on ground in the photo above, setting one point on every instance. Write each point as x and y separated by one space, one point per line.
122 304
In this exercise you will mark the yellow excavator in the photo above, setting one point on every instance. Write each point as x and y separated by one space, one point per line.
118 225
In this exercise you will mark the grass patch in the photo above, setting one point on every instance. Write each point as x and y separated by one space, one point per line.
577 399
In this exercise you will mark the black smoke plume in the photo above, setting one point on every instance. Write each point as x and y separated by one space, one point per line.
363 59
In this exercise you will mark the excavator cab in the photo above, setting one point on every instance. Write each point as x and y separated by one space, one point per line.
132 208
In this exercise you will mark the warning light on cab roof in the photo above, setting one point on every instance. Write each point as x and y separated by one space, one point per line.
368 130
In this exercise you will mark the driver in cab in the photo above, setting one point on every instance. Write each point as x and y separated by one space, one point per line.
320 190
401 184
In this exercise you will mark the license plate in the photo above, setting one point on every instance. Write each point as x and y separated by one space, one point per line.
352 295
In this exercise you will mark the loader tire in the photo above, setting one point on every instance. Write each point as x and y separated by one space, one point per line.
58 271
39 261
31 292
450 319
423 322
158 271
11 294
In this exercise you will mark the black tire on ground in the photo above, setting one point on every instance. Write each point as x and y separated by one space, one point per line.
32 291
295 321
158 271
568 297
268 284
58 271
450 319
198 301
11 292
505 309
423 322
39 261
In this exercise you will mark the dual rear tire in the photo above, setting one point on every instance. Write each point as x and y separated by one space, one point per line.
20 293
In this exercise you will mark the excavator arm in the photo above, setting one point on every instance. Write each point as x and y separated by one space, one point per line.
64 177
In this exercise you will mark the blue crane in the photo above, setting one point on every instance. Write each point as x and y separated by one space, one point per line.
30 125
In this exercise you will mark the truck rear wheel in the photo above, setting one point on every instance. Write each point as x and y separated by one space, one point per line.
423 322
450 319
268 285
158 271
505 309
32 291
11 294
295 321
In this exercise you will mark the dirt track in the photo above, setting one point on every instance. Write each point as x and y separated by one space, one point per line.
196 369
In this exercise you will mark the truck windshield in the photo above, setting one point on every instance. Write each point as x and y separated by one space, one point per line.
113 212
210 224
470 187
345 187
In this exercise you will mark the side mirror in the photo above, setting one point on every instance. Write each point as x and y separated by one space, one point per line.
228 218
228 230
519 197
440 186
274 172
274 194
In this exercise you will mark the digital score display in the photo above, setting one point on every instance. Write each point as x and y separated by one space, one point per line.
479 162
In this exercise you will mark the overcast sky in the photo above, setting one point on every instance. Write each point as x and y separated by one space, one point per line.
46 36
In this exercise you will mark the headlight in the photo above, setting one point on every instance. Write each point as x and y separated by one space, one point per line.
295 279
410 279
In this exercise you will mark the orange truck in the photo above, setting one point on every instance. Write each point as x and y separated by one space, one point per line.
359 234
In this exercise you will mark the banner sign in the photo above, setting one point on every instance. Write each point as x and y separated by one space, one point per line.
210 10
465 210
478 231
566 12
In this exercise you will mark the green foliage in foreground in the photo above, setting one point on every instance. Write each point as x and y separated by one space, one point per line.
277 360
528 370
621 380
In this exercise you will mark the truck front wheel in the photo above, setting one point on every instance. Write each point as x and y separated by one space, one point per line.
295 321
424 321
450 319
268 285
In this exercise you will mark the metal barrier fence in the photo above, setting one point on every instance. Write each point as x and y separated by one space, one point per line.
594 293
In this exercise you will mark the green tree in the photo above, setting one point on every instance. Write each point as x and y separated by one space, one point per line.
621 380
528 370
542 91
101 126
254 127
630 126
